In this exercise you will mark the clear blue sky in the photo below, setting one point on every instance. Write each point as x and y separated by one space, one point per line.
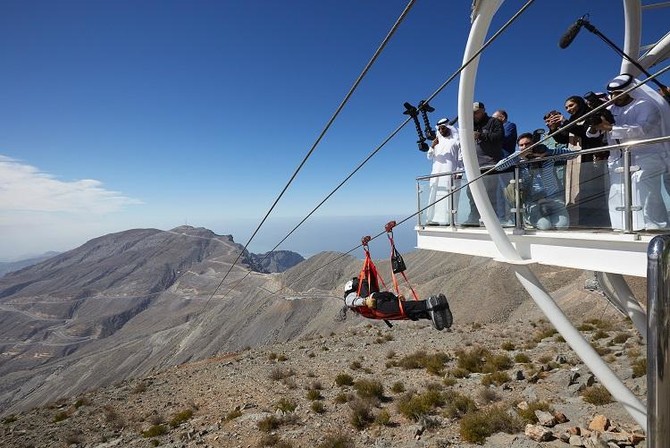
124 114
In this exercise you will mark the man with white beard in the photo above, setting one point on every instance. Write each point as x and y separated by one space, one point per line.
640 114
445 152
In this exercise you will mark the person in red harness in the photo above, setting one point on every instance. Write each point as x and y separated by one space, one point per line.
384 304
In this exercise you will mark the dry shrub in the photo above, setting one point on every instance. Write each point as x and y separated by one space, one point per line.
476 426
369 389
528 414
458 404
597 395
361 414
639 367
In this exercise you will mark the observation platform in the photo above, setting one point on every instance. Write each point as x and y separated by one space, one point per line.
594 250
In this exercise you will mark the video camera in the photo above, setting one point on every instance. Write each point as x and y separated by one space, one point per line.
593 101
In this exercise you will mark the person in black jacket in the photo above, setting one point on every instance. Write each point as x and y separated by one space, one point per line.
489 135
587 179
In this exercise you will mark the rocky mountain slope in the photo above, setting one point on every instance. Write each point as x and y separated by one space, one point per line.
515 384
142 321
121 305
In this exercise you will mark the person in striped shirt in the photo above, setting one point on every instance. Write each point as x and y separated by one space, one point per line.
541 192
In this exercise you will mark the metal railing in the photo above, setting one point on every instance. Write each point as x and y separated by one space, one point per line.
658 339
447 200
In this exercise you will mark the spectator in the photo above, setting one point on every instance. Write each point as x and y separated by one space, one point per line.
586 180
488 133
508 148
445 152
640 114
542 195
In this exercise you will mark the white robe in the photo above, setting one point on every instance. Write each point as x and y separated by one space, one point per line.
646 117
446 157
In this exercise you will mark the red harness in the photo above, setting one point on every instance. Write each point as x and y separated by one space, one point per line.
369 279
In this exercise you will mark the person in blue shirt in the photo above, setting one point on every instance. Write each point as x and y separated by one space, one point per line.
540 189
508 147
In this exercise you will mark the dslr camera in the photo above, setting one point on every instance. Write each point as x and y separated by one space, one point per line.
593 101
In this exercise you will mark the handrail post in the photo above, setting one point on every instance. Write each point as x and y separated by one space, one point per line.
658 339
628 192
418 202
450 192
518 217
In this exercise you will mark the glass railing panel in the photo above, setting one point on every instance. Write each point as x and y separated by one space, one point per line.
439 195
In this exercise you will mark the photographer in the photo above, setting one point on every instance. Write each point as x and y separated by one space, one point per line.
541 192
640 114
587 177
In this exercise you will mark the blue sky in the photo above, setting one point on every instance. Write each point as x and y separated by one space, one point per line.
125 114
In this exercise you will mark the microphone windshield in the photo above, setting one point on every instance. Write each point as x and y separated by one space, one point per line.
570 34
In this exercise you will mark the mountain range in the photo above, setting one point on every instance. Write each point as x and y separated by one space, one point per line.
133 303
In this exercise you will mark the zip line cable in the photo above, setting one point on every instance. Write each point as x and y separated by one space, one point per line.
392 135
320 137
486 172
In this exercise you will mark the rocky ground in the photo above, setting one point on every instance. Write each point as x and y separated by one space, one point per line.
513 384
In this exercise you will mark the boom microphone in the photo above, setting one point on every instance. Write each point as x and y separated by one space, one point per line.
571 33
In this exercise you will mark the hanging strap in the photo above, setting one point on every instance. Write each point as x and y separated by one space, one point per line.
397 263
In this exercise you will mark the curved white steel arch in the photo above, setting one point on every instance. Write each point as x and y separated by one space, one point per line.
483 12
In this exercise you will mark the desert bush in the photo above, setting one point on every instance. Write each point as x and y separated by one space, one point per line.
314 394
497 378
155 431
279 373
11 418
472 360
600 334
433 363
458 372
269 423
315 385
60 416
488 395
521 358
543 333
600 323
369 389
361 414
274 441
285 405
449 380
342 398
457 404
83 402
344 379
585 327
272 356
113 417
337 441
597 395
639 367
620 338
528 414
414 406
318 407
282 358
181 417
232 415
507 346
383 418
398 387
355 365
495 363
476 426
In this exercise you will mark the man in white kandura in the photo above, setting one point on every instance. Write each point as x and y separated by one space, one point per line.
445 152
639 114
